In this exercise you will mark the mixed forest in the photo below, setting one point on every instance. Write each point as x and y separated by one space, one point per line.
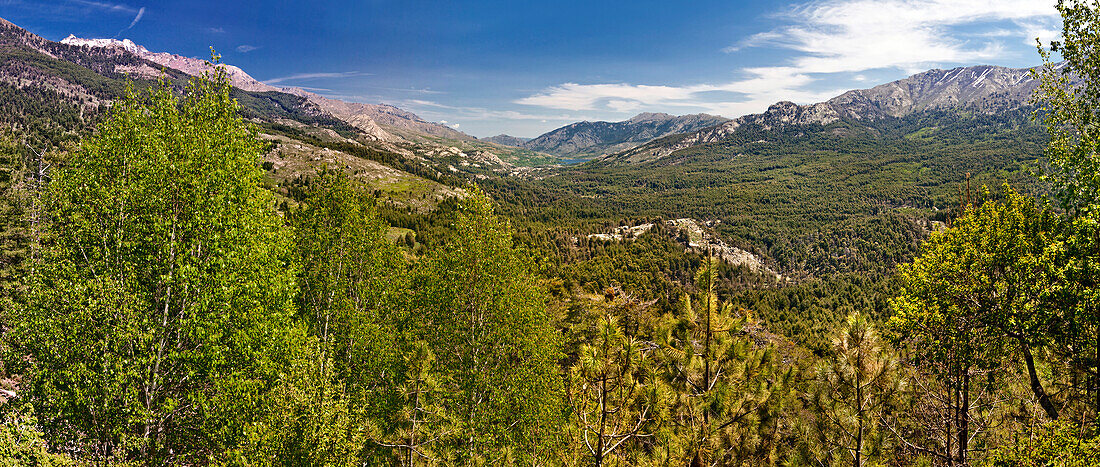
930 294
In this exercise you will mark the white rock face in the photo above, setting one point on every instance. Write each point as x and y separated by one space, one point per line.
125 44
192 66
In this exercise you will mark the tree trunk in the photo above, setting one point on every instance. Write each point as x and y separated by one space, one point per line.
603 418
859 406
964 422
1036 385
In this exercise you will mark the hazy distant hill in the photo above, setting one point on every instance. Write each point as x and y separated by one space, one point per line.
597 138
507 140
985 89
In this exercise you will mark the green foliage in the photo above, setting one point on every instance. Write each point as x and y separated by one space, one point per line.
160 313
349 281
350 274
422 421
1069 95
15 225
728 390
810 312
987 269
1055 443
976 294
854 389
614 395
21 442
485 318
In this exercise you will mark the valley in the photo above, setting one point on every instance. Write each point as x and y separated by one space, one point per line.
267 274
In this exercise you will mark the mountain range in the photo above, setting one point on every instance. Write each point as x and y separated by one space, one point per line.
377 121
64 88
32 61
985 89
590 139
507 140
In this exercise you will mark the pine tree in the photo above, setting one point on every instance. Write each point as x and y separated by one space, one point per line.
422 424
612 392
854 389
727 388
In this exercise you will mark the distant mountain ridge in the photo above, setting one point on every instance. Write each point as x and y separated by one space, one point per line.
507 140
598 138
380 122
61 90
982 88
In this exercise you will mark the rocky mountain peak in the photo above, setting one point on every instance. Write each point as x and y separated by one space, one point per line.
982 88
125 44
782 106
507 140
377 121
192 66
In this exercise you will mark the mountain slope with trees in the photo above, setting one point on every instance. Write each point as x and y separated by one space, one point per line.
588 139
169 307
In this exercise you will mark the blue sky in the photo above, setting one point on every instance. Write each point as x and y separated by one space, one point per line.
526 67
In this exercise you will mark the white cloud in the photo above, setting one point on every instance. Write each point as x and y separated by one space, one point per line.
856 35
121 8
761 86
313 76
140 13
1044 29
109 6
830 37
434 109
754 40
245 48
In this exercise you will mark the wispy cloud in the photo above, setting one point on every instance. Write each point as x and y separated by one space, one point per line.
314 76
317 90
218 30
245 48
424 91
118 7
759 88
110 7
855 35
753 41
830 38
432 109
1045 29
137 17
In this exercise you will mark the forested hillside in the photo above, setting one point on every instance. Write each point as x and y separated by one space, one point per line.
201 275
